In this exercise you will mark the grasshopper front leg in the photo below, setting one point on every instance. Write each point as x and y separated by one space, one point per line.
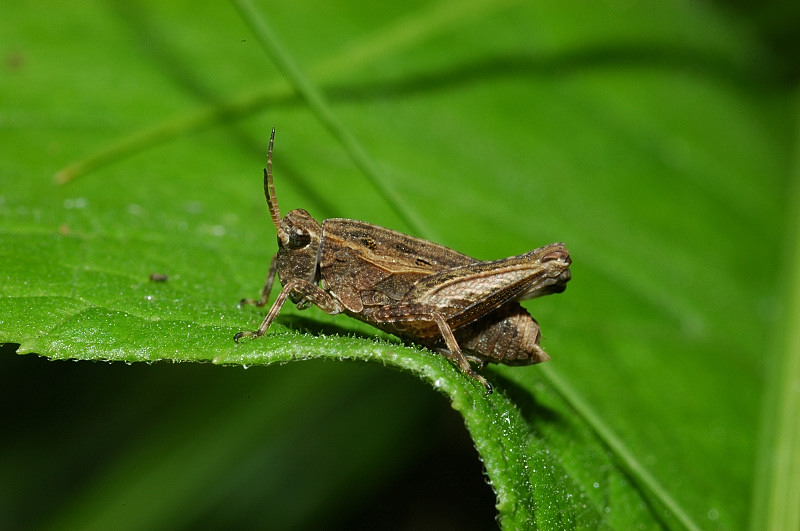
307 290
267 289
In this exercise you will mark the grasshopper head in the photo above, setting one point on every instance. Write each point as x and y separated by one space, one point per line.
298 246
298 235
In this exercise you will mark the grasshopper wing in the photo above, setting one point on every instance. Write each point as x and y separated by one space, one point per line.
465 293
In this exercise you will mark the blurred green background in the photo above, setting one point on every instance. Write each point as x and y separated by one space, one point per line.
658 139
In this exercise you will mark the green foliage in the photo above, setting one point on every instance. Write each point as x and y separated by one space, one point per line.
653 139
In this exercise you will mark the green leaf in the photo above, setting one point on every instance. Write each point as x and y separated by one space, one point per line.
653 139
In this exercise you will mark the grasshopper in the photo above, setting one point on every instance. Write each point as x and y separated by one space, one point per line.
422 292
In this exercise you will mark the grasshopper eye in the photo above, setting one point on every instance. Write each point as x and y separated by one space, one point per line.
298 239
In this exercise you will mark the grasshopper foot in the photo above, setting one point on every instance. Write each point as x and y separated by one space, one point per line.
482 380
240 335
247 302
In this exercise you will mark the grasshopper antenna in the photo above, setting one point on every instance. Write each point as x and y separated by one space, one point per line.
269 187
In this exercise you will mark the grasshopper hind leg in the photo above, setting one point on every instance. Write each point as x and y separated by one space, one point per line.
454 353
464 364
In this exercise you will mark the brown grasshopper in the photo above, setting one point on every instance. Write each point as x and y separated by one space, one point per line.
423 292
